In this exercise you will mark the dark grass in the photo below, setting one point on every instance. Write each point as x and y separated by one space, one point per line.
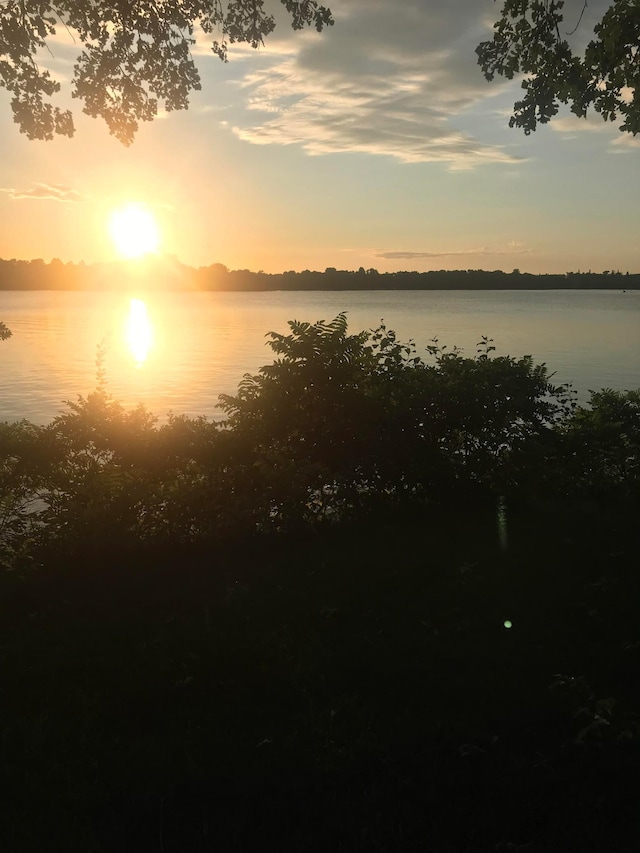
354 690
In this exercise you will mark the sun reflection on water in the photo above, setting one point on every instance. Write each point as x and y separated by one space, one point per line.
138 331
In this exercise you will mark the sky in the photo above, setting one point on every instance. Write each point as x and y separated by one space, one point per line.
377 143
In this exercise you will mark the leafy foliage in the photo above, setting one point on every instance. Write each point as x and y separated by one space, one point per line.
340 426
528 40
602 447
371 417
22 468
4 332
136 56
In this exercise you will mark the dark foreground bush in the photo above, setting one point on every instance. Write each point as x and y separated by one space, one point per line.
340 427
390 604
409 687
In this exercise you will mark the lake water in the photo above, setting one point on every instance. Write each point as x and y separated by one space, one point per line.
178 351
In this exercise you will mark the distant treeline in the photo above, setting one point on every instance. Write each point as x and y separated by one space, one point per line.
169 274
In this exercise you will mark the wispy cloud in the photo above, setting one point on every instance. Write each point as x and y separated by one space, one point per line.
625 143
592 123
408 256
619 141
388 79
50 192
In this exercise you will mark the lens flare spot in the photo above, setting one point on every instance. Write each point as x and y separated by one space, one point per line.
507 624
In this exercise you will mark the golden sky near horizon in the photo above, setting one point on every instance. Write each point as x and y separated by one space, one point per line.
377 143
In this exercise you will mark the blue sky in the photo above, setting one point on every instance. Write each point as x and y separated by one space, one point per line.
377 143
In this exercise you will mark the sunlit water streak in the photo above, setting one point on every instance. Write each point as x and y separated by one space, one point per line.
138 331
181 350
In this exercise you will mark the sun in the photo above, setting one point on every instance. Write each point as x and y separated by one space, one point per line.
134 231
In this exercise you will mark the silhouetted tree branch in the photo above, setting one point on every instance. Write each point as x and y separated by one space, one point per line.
135 57
527 40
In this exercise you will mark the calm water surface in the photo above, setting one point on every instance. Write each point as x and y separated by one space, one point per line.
177 352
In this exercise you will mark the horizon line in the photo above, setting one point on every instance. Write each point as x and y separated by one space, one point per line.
151 260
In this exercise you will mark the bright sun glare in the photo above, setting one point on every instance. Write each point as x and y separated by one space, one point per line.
134 231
